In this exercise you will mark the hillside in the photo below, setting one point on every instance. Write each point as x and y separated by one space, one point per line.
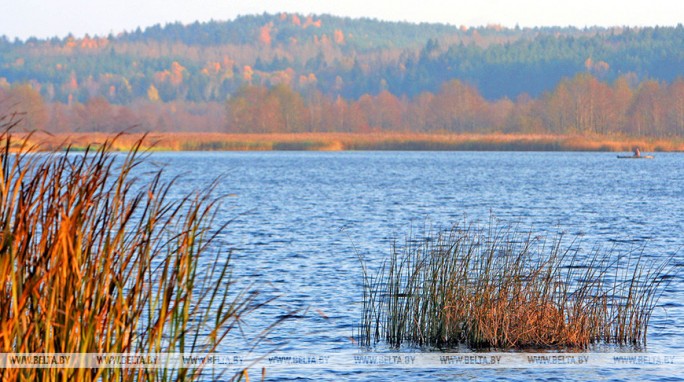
312 63
339 56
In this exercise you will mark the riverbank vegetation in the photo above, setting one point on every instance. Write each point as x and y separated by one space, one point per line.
496 288
351 141
94 261
582 105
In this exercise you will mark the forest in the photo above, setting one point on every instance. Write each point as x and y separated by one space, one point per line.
290 73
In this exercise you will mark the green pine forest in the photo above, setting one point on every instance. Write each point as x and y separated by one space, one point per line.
291 73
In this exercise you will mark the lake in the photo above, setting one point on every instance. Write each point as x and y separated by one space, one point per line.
301 220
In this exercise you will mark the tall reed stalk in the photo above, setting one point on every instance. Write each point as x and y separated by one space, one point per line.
93 260
499 288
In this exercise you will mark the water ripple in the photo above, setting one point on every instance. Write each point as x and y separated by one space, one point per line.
301 221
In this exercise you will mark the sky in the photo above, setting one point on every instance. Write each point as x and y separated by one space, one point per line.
48 18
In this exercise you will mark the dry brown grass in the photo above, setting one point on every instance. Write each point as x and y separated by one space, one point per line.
94 261
355 141
496 288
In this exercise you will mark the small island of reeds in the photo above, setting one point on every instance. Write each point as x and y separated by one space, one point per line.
500 288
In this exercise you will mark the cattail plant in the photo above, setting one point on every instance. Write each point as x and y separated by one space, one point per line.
94 260
499 288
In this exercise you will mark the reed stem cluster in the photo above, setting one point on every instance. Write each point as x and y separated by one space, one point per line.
95 260
497 287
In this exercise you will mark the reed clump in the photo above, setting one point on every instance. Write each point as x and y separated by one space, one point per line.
92 260
437 141
498 288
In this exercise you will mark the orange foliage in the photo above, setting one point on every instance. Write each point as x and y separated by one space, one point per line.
70 42
247 73
325 40
599 69
88 43
307 80
339 37
173 75
580 105
177 73
73 82
310 22
265 34
162 76
211 68
93 43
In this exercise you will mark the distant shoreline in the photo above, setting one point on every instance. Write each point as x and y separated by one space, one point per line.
390 141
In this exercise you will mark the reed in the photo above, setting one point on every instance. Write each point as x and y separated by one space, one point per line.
92 260
365 141
499 288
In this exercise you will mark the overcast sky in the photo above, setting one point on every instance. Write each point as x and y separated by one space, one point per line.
48 18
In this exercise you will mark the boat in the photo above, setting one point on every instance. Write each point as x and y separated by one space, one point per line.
635 156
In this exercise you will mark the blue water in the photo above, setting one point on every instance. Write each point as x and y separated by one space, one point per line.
301 220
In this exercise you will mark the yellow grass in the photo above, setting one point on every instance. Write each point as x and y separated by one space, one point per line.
93 260
357 141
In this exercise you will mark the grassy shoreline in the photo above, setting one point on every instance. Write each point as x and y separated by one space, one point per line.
161 141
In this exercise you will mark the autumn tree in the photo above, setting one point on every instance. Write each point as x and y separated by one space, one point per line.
496 115
675 108
620 100
60 120
384 112
526 116
97 115
360 115
27 104
646 114
336 118
257 109
585 104
285 109
317 106
456 108
243 114
418 114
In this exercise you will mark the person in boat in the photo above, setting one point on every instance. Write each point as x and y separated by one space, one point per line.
637 153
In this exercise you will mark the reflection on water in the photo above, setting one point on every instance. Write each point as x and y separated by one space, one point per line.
302 219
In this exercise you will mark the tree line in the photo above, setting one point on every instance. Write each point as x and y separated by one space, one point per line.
300 73
582 104
209 62
579 105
